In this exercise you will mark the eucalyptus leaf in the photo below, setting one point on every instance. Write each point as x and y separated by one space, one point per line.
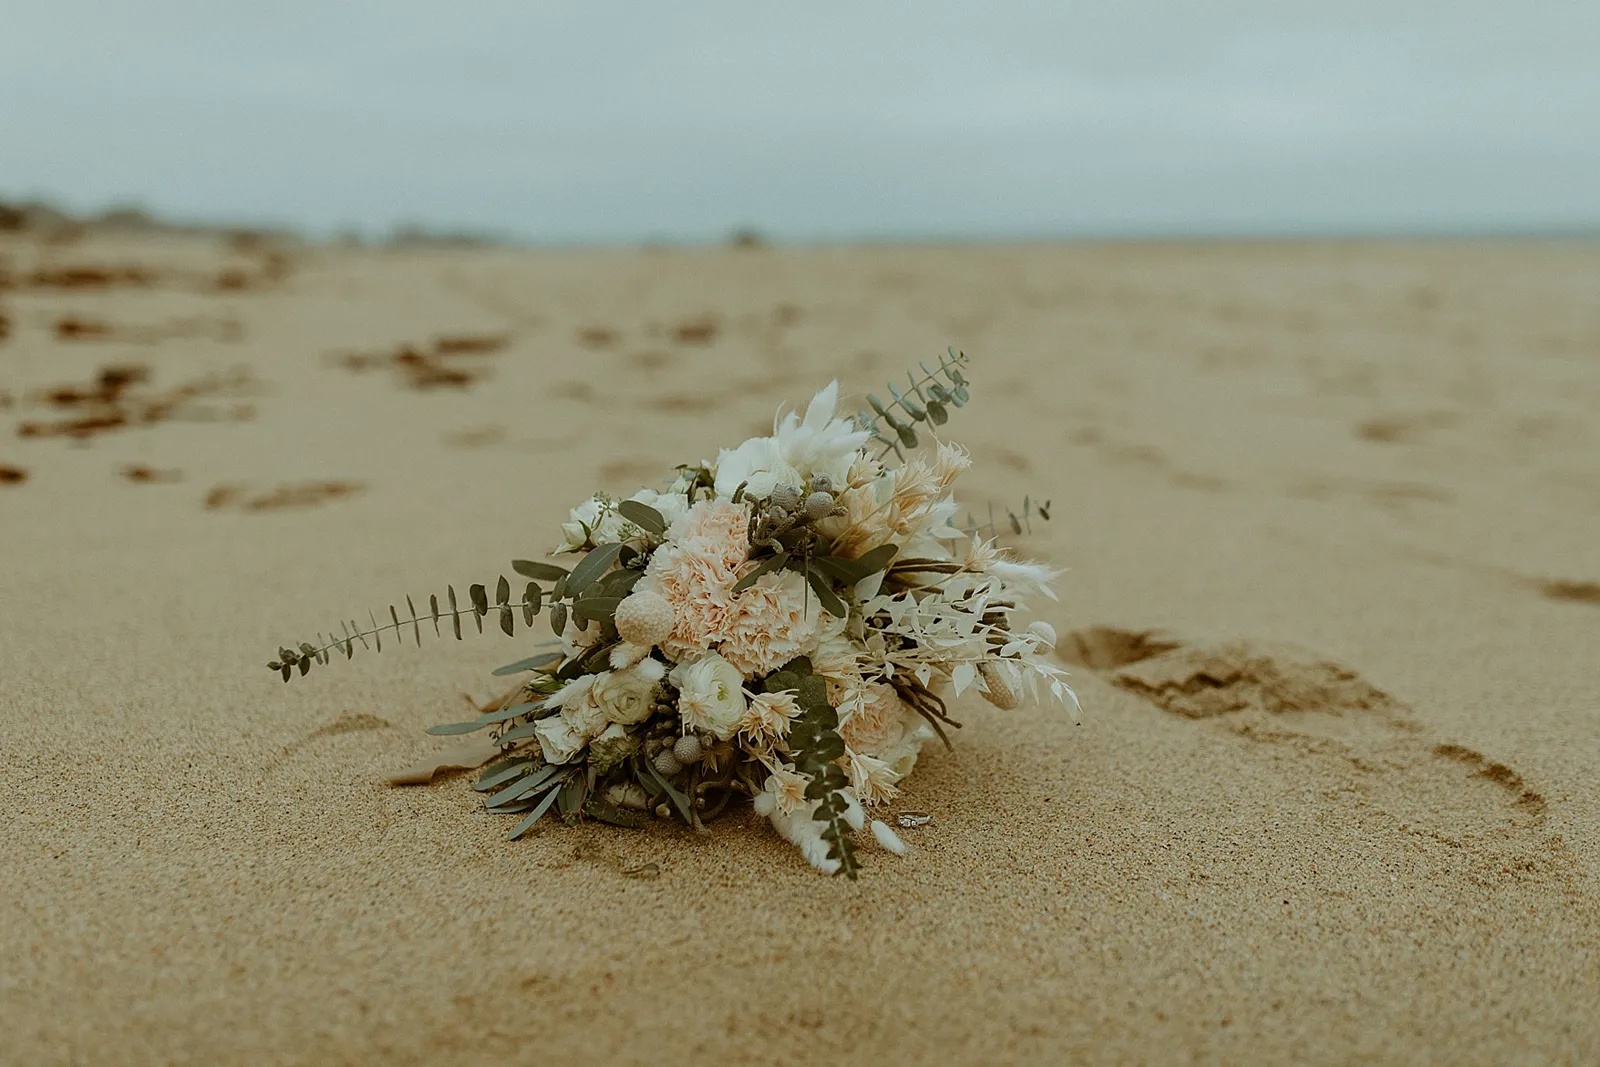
533 816
830 600
592 567
548 572
456 728
679 801
502 773
643 516
767 567
532 663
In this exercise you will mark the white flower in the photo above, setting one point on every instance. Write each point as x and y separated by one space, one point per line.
624 696
820 443
710 695
798 447
768 716
558 740
599 516
785 790
872 778
596 518
758 465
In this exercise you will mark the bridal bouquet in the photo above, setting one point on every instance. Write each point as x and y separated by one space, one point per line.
781 624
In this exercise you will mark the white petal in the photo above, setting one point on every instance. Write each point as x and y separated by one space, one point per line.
888 838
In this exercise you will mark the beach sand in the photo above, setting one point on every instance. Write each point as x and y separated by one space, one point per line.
1329 519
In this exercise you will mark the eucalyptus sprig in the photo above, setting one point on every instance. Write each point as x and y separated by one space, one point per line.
928 399
816 746
590 591
1017 524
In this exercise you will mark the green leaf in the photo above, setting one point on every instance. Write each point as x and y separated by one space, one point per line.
558 618
598 608
643 516
503 714
519 733
767 567
532 663
508 624
543 778
501 773
830 600
591 567
607 812
870 563
502 592
533 816
456 728
548 572
455 612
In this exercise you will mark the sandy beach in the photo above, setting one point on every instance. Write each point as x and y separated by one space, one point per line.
1329 519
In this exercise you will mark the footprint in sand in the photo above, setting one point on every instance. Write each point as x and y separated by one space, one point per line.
1353 739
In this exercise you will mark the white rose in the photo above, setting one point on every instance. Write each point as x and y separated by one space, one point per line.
623 696
758 464
710 695
559 742
590 514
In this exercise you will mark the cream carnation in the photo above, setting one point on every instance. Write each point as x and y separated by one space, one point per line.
775 621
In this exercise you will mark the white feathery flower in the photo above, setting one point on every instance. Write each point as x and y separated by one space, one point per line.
624 654
758 465
888 838
820 443
951 461
786 788
767 717
1026 577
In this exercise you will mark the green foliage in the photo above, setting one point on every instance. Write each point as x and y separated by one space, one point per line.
1017 524
927 399
302 656
815 743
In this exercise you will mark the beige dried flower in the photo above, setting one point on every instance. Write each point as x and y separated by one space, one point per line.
998 688
645 618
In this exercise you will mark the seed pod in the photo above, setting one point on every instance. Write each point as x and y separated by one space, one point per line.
786 497
821 483
668 764
688 749
819 506
998 690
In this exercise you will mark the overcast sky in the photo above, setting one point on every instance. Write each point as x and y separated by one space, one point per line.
596 120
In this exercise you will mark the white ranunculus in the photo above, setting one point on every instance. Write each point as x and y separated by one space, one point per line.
559 742
710 695
623 696
758 465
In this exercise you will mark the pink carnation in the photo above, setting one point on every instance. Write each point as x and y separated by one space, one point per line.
696 571
775 622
